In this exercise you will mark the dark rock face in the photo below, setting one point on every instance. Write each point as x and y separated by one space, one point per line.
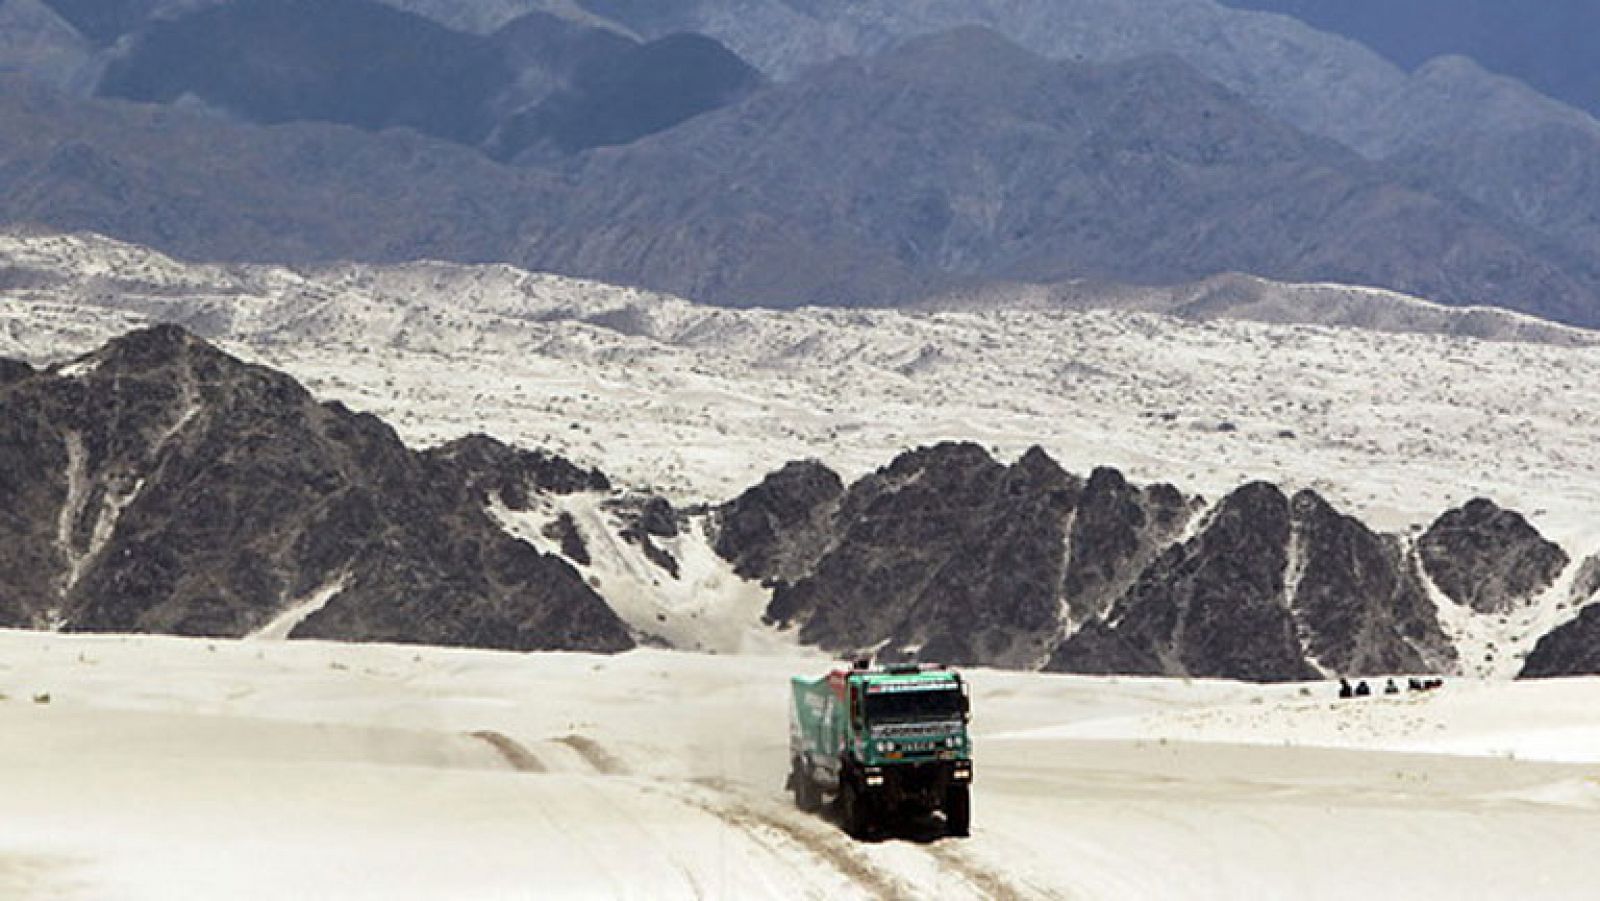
1117 531
1572 649
491 468
564 529
1488 558
778 529
945 554
162 486
1569 650
646 519
949 555
1268 590
1213 607
14 371
1359 601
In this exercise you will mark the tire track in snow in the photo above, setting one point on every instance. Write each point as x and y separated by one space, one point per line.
514 753
768 830
812 836
593 753
989 882
523 761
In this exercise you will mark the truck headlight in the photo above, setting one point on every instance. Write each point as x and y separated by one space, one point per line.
885 747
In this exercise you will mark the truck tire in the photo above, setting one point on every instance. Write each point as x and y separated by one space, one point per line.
807 795
958 810
855 813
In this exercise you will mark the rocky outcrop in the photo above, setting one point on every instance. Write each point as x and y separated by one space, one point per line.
1360 604
1488 558
1269 589
777 530
1117 530
945 554
1214 606
1572 649
489 468
159 485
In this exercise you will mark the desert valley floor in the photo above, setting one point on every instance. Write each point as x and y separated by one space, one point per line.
159 768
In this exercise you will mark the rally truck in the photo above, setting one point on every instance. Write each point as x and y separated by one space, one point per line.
886 742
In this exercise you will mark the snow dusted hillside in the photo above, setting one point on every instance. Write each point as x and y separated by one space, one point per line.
698 403
141 767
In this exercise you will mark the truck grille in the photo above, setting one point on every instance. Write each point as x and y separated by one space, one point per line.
915 730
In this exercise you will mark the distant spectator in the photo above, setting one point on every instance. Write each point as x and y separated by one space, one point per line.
1345 691
1389 688
1362 689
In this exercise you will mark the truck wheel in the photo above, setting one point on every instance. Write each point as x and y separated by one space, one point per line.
958 810
807 796
853 810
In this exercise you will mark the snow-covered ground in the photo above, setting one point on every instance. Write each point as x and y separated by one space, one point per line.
145 767
699 403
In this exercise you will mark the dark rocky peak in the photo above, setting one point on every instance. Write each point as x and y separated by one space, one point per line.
1572 649
172 488
945 554
487 467
776 530
1117 531
1212 607
1361 607
1488 558
153 347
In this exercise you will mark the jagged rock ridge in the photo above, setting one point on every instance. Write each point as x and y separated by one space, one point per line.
950 555
159 485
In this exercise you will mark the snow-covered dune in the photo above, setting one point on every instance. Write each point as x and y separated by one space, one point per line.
149 767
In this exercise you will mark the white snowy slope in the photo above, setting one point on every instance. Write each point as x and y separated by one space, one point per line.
140 767
698 403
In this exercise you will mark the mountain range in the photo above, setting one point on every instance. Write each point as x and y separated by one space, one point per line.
1543 45
159 485
650 154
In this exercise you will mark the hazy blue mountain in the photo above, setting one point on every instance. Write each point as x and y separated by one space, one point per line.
538 80
958 159
1549 44
961 156
1452 126
351 61
619 97
103 21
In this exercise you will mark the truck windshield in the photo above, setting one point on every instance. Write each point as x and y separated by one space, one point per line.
911 706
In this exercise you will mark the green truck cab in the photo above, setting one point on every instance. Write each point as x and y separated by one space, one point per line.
886 742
